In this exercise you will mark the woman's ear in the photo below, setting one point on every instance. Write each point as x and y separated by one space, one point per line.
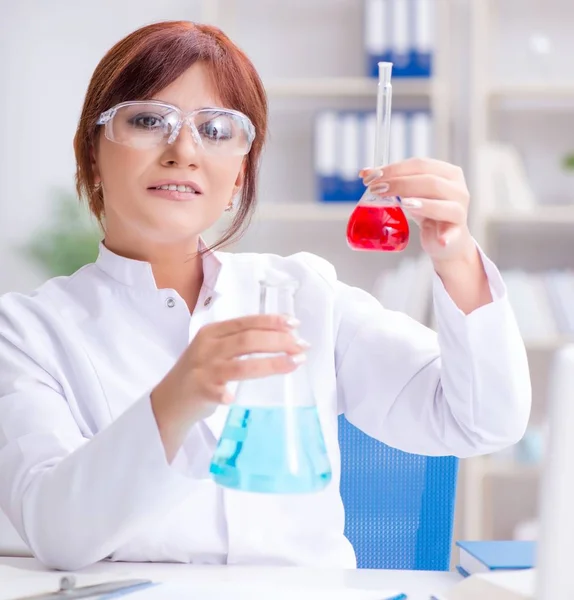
240 179
95 168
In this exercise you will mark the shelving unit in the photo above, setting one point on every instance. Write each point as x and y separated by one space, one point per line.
293 212
500 469
551 91
549 344
548 215
490 97
292 207
346 86
321 226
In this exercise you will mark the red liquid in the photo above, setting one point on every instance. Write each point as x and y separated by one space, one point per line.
383 228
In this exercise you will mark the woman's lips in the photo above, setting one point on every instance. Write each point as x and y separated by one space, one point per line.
174 194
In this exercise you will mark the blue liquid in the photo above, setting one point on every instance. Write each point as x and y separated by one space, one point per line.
272 450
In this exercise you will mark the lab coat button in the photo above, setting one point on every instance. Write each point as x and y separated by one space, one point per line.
207 301
170 302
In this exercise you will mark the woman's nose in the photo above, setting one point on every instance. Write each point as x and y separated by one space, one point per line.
185 149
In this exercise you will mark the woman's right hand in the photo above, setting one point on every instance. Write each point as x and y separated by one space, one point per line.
197 383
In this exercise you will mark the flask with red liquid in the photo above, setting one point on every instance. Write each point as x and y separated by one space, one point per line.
379 223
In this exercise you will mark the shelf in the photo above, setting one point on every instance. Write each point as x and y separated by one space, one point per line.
548 344
311 211
346 86
546 215
538 91
510 470
291 212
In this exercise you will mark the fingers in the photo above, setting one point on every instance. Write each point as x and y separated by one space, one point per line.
228 350
257 341
435 210
251 322
254 368
413 166
421 186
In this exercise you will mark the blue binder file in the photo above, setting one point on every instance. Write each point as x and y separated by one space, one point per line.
402 39
377 33
422 37
402 32
326 166
481 557
345 142
350 148
399 143
420 134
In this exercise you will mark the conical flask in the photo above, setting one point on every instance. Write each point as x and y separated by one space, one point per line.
272 441
379 223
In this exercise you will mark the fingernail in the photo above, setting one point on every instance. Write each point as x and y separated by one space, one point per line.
292 322
380 188
298 358
411 203
373 175
302 343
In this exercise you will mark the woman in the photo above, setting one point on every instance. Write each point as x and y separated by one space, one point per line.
114 382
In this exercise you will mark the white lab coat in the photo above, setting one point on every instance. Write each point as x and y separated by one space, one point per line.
83 472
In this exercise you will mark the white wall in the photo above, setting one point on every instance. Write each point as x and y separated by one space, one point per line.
49 48
47 54
48 51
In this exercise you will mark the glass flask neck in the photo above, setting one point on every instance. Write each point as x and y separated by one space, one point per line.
384 102
277 298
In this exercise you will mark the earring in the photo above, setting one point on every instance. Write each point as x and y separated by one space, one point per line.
229 207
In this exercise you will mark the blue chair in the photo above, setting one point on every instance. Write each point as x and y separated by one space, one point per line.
399 507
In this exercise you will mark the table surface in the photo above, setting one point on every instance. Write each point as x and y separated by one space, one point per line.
418 585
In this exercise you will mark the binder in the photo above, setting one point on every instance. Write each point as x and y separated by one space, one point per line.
350 154
499 555
399 143
377 19
401 38
402 32
326 166
368 139
423 37
420 134
345 142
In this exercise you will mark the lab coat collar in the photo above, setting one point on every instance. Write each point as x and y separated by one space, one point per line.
139 274
233 284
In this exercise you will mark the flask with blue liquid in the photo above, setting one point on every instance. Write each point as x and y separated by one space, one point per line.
272 441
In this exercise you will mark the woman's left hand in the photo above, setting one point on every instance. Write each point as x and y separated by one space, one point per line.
435 195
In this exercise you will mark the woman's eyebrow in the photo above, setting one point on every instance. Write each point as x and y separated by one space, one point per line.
209 106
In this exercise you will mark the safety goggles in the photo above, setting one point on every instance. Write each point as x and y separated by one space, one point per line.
146 124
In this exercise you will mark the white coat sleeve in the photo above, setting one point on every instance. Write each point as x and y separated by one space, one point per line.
463 392
54 481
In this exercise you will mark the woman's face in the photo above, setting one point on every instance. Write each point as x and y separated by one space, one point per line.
136 212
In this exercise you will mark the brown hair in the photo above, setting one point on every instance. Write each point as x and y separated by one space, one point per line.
148 60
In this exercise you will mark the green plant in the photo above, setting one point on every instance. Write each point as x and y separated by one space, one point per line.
568 162
68 241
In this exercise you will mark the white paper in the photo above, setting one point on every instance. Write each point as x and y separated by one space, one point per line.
16 582
176 591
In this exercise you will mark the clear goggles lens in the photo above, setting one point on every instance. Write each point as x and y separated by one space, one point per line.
148 124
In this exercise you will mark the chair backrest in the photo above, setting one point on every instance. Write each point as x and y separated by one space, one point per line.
399 507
